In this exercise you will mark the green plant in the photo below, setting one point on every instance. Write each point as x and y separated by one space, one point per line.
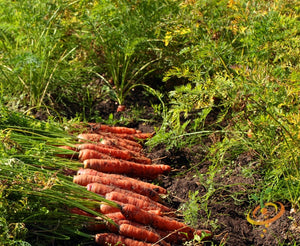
239 91
43 62
190 209
125 43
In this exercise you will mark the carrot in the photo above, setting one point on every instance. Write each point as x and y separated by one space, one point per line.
85 154
114 239
107 209
141 159
122 154
73 154
124 184
116 216
128 144
113 144
96 127
144 204
105 225
138 233
134 213
102 190
94 137
136 136
127 168
135 156
88 171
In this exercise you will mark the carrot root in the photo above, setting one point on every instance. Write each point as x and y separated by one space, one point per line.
127 168
114 239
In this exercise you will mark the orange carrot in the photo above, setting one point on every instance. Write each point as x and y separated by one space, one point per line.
88 171
113 129
94 137
105 225
107 209
114 239
86 154
127 168
102 190
124 184
74 154
141 203
136 136
116 216
122 154
135 156
134 213
129 144
113 144
141 159
138 233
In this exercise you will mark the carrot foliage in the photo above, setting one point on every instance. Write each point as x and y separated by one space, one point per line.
36 190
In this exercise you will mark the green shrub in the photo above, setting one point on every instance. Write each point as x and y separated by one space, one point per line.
241 61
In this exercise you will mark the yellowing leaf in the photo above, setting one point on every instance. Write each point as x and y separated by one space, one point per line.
167 38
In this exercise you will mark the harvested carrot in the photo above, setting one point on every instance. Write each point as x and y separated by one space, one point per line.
113 144
122 154
124 184
135 156
105 225
102 190
114 129
94 137
116 216
114 239
134 213
127 168
141 159
144 204
107 209
128 144
88 171
138 233
73 154
136 136
86 154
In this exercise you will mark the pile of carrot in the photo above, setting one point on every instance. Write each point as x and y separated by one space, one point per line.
115 168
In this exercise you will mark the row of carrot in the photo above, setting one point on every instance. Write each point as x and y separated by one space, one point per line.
114 167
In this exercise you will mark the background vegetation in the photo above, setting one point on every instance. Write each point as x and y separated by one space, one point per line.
222 69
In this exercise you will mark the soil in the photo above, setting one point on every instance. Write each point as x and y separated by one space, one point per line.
223 200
